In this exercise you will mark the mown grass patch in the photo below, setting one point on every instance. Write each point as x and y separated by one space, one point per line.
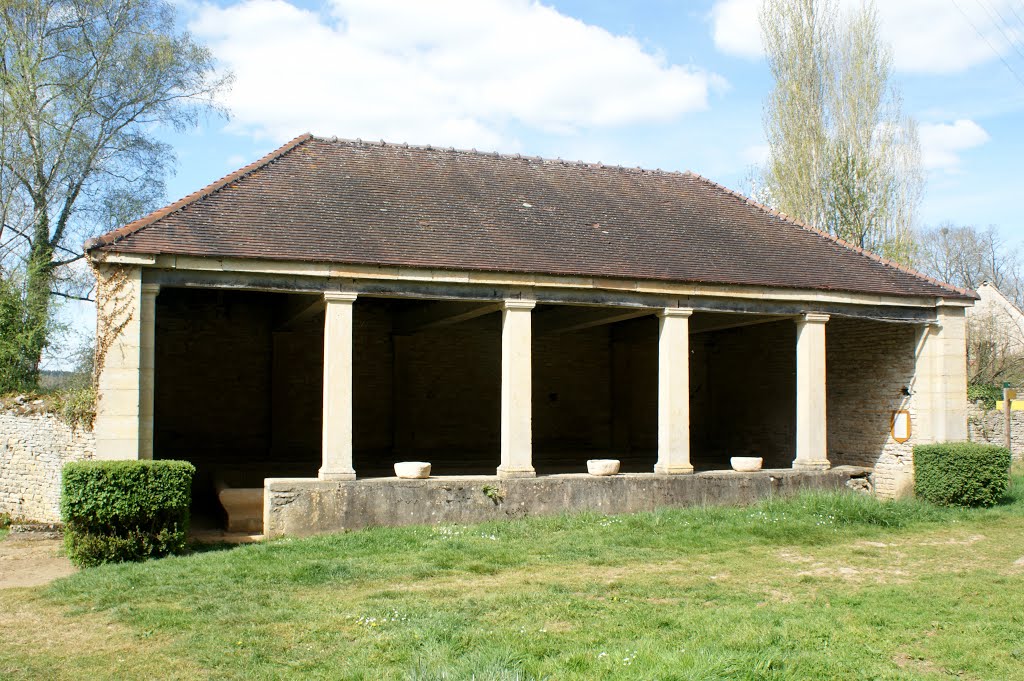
818 586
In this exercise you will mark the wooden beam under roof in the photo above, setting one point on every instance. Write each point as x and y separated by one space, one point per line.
438 314
299 309
566 319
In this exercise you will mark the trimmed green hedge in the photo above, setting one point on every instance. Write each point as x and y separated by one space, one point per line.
961 473
118 511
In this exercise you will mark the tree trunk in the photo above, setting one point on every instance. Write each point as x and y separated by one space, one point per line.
38 284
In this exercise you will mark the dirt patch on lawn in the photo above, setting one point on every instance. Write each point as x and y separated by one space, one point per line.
42 641
31 562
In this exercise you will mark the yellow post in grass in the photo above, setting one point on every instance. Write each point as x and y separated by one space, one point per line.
1008 397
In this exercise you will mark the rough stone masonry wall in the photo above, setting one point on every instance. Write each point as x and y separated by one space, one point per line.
869 364
33 451
987 427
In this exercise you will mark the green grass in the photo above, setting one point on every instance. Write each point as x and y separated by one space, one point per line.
820 586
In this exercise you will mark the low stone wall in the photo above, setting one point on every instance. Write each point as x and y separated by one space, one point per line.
988 427
33 450
307 506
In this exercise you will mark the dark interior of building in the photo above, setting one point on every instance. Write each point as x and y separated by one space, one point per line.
239 382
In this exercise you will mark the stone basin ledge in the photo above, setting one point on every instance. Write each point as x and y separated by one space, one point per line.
307 506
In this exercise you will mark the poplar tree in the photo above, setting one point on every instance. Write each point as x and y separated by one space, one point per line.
842 156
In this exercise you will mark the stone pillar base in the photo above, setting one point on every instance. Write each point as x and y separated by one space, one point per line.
820 465
336 475
673 470
511 473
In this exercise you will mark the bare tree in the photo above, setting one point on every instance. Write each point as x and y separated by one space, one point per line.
841 154
84 87
967 256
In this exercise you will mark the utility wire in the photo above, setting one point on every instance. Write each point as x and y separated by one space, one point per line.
1016 14
1001 25
989 43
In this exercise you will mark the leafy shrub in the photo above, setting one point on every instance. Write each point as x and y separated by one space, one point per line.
118 511
20 333
961 473
988 395
76 406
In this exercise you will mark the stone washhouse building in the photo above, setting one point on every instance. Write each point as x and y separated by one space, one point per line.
301 325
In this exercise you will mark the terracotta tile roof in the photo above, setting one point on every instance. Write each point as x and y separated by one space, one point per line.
353 202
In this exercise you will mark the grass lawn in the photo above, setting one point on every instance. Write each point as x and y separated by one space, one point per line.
817 587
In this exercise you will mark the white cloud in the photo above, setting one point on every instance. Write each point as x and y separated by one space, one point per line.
451 72
927 36
756 154
735 28
941 143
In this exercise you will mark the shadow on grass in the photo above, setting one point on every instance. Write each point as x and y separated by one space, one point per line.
195 547
1014 497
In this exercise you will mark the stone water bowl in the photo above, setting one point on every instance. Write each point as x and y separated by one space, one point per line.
746 464
603 466
413 470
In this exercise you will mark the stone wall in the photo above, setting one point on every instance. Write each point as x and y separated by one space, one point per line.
33 450
988 427
301 507
871 369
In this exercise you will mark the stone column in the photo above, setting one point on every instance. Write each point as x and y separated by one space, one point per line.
941 391
811 428
147 366
119 339
337 426
674 391
516 390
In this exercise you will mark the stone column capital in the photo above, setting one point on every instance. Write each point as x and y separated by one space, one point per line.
518 304
813 318
340 297
675 312
150 289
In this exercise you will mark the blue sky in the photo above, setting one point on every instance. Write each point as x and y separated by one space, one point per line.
660 84
295 64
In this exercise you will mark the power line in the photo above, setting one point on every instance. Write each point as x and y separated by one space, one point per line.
1001 27
1014 10
989 43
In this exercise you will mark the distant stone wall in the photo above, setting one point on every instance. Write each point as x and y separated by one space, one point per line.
987 427
33 450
